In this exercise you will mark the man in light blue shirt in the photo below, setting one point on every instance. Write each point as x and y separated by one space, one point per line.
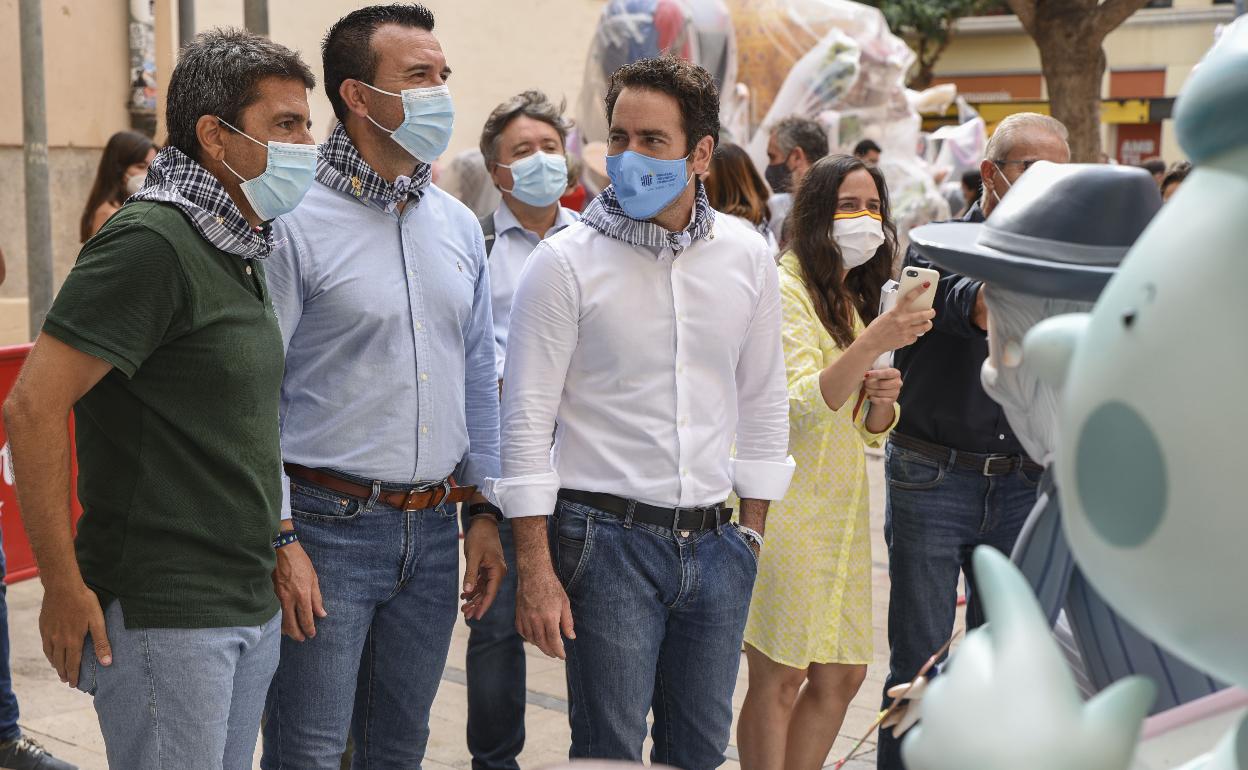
523 147
389 410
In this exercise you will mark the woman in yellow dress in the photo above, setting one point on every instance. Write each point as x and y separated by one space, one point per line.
808 638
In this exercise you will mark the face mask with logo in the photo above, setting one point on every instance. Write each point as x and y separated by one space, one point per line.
539 179
134 183
428 116
290 171
644 185
779 177
858 234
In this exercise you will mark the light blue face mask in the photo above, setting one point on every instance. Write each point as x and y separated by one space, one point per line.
290 172
644 185
538 180
428 116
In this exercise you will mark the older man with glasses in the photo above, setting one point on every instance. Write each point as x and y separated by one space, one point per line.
957 475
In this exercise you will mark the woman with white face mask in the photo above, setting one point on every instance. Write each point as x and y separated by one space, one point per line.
809 632
122 170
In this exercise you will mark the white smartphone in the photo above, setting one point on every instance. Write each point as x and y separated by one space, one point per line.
892 292
912 278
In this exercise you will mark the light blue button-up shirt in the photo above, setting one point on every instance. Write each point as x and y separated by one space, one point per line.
389 338
512 247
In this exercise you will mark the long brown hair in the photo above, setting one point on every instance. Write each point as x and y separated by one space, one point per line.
811 220
734 186
124 149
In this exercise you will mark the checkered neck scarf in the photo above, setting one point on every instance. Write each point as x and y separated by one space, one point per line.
174 178
606 215
342 168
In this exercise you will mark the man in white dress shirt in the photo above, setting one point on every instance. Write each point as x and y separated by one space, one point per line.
649 333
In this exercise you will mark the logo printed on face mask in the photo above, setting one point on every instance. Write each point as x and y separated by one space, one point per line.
288 175
644 185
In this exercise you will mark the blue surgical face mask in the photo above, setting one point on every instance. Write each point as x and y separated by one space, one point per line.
428 116
644 185
290 172
538 180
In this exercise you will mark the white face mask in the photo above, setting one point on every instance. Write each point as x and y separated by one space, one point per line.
858 234
135 183
1001 173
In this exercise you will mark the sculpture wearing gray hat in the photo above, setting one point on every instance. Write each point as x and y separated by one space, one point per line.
1047 250
1060 233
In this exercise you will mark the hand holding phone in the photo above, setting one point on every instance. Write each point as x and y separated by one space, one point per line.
912 315
912 277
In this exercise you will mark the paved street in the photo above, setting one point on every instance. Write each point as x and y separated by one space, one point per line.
64 721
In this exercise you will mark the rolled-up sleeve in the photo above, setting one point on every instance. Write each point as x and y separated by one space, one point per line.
480 383
541 339
762 468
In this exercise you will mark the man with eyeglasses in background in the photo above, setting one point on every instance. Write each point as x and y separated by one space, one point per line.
957 475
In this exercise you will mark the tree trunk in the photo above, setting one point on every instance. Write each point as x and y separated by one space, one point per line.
1073 63
922 77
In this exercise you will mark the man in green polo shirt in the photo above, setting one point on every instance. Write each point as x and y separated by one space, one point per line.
164 343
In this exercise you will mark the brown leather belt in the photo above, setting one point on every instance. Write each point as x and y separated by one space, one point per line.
416 498
987 465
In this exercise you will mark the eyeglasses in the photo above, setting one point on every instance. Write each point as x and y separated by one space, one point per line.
1026 164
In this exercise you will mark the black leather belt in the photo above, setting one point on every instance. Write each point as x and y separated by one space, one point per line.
987 465
684 519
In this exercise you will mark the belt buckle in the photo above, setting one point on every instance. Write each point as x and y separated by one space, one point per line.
444 485
988 461
701 511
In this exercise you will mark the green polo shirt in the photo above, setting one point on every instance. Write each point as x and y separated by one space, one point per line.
179 466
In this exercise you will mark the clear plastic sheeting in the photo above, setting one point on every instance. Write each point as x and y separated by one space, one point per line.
841 66
698 30
467 178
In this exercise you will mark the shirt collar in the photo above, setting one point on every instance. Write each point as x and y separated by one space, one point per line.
505 220
341 167
606 215
174 178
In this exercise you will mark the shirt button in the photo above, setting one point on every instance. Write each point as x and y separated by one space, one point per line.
684 421
424 377
424 429
411 273
1002 437
680 369
684 471
419 326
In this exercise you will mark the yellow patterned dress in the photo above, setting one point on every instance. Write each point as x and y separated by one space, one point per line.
812 599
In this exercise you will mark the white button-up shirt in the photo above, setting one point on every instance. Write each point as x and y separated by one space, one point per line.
652 363
512 247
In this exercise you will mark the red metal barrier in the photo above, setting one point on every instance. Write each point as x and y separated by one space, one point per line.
20 562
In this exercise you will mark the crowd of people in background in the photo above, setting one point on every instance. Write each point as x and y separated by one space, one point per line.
300 372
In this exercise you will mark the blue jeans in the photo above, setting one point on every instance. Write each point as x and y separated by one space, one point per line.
935 517
9 731
189 698
390 587
659 617
496 676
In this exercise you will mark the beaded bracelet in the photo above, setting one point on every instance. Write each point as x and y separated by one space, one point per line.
285 539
